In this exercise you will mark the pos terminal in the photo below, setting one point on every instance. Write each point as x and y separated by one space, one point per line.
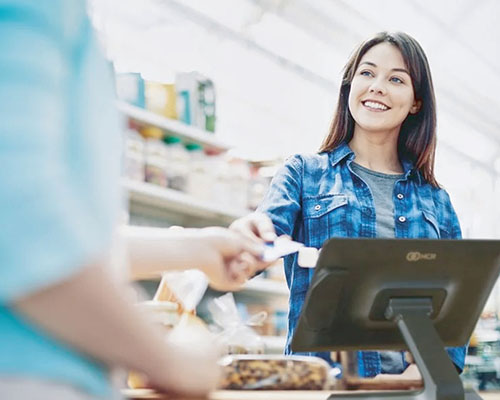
404 294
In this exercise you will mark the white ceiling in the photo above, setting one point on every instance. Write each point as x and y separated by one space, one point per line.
276 63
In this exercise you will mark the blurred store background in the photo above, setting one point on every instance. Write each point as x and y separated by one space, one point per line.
217 93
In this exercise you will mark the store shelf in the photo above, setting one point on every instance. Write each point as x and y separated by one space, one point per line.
172 201
487 335
473 360
187 133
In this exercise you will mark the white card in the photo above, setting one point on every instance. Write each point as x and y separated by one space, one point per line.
282 246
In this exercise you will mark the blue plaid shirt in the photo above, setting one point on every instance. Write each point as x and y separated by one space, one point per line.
316 197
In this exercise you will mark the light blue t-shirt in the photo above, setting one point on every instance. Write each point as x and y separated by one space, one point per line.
59 174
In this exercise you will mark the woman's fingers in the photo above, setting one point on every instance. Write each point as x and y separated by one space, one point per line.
263 227
257 227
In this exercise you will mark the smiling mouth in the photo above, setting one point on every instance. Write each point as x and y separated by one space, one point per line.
374 105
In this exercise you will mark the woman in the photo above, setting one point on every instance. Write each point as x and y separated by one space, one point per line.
373 175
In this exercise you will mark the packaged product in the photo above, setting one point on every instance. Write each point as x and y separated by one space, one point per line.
155 162
188 332
239 178
161 98
273 372
178 163
221 171
134 155
152 132
198 183
165 313
196 95
186 288
237 336
257 188
191 335
130 88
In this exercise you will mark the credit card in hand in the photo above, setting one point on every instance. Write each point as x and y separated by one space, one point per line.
282 246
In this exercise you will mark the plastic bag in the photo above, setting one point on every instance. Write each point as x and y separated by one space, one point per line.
188 288
237 336
190 335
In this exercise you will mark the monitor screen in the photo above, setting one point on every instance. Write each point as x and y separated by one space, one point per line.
355 279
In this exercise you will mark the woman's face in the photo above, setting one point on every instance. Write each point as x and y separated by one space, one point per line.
381 93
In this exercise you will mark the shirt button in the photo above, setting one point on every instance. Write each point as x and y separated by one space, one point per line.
402 219
399 196
317 207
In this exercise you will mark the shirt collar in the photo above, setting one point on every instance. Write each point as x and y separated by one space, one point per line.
339 153
410 170
343 151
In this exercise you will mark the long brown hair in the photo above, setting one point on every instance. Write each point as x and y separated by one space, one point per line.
417 137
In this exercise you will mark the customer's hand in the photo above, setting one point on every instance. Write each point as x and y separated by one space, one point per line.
227 258
190 369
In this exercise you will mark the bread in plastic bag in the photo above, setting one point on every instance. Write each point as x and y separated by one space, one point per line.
273 372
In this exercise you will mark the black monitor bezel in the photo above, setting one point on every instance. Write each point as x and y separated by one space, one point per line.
346 316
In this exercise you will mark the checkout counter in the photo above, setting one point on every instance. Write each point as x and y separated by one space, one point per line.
420 295
143 394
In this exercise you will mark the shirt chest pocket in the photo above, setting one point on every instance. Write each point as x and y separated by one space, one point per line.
324 217
431 226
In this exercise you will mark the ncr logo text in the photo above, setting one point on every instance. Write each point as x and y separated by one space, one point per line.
417 256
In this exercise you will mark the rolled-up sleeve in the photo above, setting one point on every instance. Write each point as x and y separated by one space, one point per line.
282 201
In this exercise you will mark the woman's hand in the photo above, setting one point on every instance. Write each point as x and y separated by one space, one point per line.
409 374
257 227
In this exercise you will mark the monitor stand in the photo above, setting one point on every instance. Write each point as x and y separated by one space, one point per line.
440 378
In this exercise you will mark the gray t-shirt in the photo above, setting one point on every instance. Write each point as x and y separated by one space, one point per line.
382 187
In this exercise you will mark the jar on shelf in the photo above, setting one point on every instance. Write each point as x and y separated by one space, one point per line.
155 156
151 132
198 182
134 155
257 188
177 163
221 193
239 178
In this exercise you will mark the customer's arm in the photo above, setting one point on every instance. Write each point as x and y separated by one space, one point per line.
227 258
57 211
89 312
